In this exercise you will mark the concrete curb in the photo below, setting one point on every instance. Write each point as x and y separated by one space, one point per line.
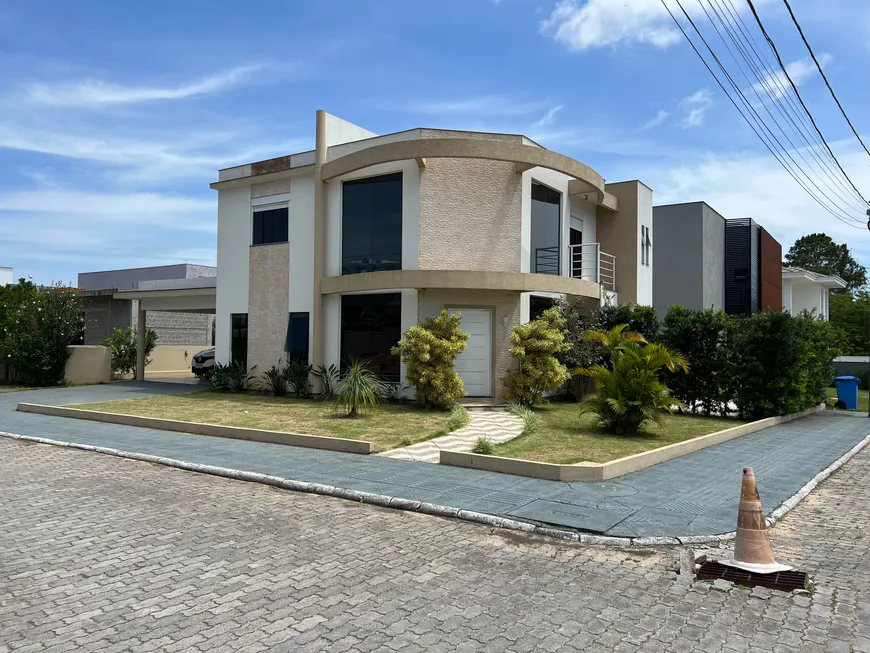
446 511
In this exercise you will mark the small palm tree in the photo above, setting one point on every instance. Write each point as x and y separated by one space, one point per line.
358 389
629 393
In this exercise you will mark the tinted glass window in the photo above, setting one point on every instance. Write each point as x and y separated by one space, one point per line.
370 327
271 226
371 224
537 306
545 230
239 339
297 337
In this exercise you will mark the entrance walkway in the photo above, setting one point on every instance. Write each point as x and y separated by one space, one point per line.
693 495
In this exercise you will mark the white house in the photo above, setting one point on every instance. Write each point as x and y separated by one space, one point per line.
330 255
803 290
5 275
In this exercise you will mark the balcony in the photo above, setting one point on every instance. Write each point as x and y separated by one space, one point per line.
587 262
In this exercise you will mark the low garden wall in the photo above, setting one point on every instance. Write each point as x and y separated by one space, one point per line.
88 364
594 472
235 432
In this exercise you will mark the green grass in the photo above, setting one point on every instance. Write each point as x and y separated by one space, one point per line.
565 437
387 427
863 400
14 388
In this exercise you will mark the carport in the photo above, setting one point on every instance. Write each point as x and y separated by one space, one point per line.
197 295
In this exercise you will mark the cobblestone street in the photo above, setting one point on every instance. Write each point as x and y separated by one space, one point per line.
104 554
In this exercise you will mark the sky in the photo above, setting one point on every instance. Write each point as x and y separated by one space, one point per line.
115 116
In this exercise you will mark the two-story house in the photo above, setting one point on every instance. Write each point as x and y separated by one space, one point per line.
331 255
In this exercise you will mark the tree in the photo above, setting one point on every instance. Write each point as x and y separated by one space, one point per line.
819 253
641 319
850 316
428 350
535 346
580 319
124 345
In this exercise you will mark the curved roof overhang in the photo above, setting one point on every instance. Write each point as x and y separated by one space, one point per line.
524 157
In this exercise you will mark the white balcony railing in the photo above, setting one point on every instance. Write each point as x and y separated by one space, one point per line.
587 261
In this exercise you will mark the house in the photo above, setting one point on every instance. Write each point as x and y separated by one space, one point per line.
803 290
332 254
708 261
112 299
6 276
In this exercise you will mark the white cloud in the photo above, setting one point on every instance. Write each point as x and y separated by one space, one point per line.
776 83
587 24
94 92
695 107
659 119
548 117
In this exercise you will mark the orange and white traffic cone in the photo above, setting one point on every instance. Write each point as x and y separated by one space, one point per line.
752 550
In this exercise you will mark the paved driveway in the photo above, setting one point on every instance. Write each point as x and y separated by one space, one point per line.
693 495
103 554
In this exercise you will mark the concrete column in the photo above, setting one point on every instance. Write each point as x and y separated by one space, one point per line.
317 324
140 345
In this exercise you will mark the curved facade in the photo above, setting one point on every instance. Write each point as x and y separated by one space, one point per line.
386 231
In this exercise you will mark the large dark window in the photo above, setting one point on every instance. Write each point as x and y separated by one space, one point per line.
546 228
297 337
537 305
271 226
370 327
239 339
371 224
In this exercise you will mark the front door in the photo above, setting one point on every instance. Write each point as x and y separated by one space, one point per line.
474 365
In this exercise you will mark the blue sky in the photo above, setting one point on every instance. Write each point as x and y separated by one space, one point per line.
115 116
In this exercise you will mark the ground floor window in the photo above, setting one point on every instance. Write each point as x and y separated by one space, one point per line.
297 337
239 339
537 305
371 326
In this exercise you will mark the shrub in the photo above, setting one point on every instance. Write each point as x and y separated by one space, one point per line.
531 420
428 351
484 447
640 319
124 347
580 319
704 337
275 381
535 346
232 377
391 391
458 418
298 377
629 392
38 326
358 390
328 377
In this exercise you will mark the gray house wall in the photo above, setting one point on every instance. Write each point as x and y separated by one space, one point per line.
127 279
690 257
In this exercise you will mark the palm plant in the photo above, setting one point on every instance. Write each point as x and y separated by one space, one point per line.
328 377
629 392
275 381
358 389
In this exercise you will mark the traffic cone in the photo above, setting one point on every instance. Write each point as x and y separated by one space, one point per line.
752 550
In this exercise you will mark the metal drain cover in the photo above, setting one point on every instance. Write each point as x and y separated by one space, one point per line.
785 581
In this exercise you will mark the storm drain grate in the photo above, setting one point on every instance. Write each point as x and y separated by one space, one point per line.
785 581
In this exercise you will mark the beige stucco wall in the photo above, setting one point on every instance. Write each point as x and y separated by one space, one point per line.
504 304
470 215
268 304
173 361
619 234
88 364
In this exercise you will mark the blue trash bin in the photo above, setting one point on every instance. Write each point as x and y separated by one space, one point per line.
847 391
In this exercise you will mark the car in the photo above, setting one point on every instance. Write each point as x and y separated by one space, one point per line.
203 362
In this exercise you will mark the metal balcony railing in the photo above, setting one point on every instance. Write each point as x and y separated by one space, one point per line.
587 261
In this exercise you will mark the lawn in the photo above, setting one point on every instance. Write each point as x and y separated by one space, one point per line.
14 388
390 426
565 437
862 399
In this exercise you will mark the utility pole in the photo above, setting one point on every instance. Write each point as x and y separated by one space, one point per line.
868 338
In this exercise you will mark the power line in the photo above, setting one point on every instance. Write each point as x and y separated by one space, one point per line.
797 93
761 124
822 72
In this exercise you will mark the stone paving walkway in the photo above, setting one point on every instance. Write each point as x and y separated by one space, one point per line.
495 426
693 495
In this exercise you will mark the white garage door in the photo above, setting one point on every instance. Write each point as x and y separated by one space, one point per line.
475 363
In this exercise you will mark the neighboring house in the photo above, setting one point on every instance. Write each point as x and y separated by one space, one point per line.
180 333
6 276
803 290
332 254
708 261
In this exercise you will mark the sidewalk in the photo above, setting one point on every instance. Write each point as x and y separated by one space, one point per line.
693 495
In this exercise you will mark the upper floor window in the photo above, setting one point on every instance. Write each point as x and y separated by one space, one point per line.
645 245
271 226
546 230
371 224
